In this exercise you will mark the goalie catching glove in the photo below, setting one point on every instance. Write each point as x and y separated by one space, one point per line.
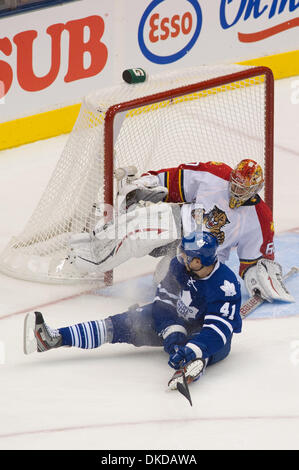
132 234
265 279
145 188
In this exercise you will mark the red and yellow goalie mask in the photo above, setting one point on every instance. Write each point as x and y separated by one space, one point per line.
246 180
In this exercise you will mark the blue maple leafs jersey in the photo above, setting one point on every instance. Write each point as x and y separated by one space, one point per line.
208 307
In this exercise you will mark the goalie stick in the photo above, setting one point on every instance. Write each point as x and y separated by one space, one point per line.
253 302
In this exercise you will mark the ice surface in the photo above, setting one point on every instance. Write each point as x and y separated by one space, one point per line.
116 397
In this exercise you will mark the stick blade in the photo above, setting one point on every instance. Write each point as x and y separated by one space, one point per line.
184 389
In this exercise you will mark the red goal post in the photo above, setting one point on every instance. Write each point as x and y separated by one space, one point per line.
220 113
186 90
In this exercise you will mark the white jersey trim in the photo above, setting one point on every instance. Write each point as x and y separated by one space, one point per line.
165 301
196 349
215 317
213 327
173 329
214 270
164 291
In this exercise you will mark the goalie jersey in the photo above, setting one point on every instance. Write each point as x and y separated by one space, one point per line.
249 228
208 307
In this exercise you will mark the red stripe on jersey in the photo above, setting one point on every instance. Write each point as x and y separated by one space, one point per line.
265 217
172 179
244 265
173 185
267 247
173 176
216 168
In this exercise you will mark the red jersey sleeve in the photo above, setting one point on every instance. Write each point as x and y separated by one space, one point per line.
267 250
265 217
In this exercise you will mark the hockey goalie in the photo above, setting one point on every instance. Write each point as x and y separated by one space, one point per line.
156 209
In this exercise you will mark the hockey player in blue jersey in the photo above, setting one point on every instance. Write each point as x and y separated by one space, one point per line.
193 316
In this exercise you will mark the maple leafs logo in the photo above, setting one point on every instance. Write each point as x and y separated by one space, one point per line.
184 307
228 288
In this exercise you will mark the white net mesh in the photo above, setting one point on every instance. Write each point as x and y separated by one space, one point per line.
223 123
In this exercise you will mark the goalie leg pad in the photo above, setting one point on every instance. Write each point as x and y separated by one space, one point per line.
132 235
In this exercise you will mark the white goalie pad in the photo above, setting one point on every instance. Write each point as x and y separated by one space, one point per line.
265 278
131 235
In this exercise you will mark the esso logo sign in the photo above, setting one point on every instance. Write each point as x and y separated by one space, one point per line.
168 29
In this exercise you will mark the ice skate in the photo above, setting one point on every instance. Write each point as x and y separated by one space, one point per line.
38 336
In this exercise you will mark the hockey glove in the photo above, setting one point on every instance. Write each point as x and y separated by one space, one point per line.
181 356
173 335
172 341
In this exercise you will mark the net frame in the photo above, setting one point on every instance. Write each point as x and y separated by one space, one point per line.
196 87
139 97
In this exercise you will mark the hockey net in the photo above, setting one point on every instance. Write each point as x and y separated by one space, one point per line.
219 113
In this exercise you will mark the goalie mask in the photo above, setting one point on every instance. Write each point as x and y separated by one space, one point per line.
246 180
202 245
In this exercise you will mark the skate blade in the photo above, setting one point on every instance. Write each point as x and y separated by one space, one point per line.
30 343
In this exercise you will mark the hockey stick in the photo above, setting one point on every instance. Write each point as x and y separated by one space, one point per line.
181 386
194 369
184 389
255 301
